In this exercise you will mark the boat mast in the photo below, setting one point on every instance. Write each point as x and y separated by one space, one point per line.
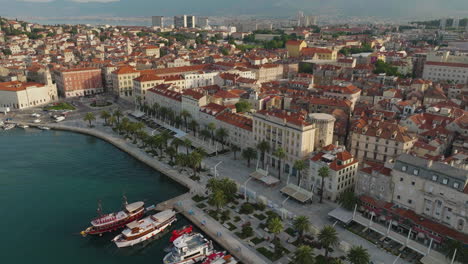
99 208
124 200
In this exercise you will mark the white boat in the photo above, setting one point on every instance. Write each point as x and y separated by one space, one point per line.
35 115
23 126
189 249
8 126
59 119
220 258
37 121
144 229
43 128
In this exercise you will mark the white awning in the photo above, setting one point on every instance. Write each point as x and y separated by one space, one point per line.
341 215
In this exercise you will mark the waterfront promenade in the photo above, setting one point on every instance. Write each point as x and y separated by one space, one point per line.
183 203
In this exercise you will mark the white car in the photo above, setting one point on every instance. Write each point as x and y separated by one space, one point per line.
35 115
37 121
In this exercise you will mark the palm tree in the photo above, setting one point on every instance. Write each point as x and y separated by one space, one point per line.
187 144
166 136
155 108
194 126
323 172
89 117
358 255
178 121
205 133
275 225
112 120
221 134
185 114
176 142
139 100
249 154
280 154
118 114
163 112
218 199
194 159
263 147
328 237
304 255
235 149
449 248
172 152
299 165
348 199
302 225
105 115
211 127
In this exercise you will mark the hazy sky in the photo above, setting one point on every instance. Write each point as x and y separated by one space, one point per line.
284 8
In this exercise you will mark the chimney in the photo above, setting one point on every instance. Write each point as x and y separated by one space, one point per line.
429 163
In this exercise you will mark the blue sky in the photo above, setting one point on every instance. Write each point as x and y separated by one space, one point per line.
379 8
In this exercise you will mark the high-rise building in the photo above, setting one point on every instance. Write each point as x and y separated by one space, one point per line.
157 21
202 22
443 23
180 21
305 21
456 22
184 21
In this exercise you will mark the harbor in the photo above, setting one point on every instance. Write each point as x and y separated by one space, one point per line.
182 203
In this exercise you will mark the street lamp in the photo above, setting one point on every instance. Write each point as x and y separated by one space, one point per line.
215 171
245 188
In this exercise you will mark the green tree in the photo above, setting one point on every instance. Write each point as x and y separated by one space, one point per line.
323 172
243 106
194 160
7 52
89 117
205 133
304 255
118 114
249 154
280 154
299 165
302 225
221 135
105 115
211 127
187 144
176 142
328 237
358 255
275 226
263 146
235 149
449 248
348 199
218 199
185 115
194 126
172 152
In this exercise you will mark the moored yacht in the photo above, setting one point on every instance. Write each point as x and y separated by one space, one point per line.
8 126
144 229
23 126
111 222
189 249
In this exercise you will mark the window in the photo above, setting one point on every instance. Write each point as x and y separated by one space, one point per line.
410 201
413 183
434 177
401 179
456 185
404 168
398 197
415 171
445 181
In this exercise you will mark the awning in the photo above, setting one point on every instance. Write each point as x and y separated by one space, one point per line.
342 215
269 180
137 114
258 174
297 193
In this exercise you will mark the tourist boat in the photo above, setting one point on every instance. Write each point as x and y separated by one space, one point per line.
8 126
178 233
219 258
23 126
144 229
43 128
189 249
112 222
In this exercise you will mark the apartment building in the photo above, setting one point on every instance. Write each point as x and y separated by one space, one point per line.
192 101
79 82
145 82
342 171
433 189
446 66
18 95
164 97
289 131
239 128
379 141
267 72
342 91
375 181
122 81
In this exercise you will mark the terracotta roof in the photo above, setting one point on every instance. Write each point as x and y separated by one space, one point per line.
293 118
447 64
15 86
225 95
148 78
163 90
192 93
383 129
236 120
125 70
350 89
294 42
213 109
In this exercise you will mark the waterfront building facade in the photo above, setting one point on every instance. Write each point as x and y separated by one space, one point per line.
79 82
18 95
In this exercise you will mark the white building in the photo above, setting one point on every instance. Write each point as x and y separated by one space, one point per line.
18 95
157 21
342 171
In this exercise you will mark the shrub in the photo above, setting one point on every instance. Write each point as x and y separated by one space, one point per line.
247 208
